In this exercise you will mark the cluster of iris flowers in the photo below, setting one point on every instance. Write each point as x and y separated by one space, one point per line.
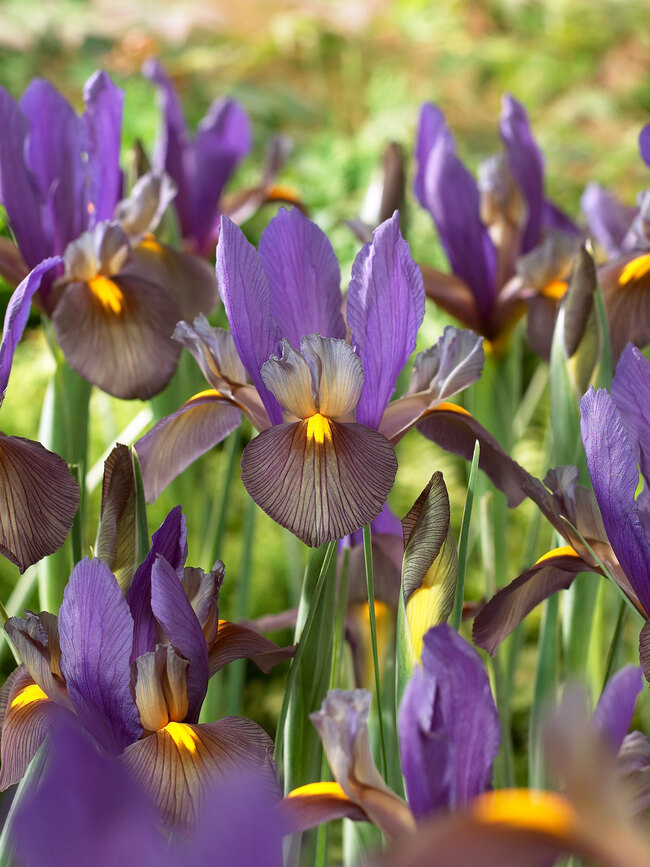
391 719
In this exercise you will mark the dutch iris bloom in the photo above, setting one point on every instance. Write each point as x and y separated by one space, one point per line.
38 494
492 232
134 670
323 463
201 166
114 304
624 278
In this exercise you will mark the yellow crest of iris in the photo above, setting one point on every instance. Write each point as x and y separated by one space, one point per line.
29 695
108 294
319 428
183 736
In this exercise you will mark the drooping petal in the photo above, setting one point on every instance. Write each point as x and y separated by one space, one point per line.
244 290
304 277
177 764
28 718
102 122
16 318
608 220
96 634
526 165
222 140
170 542
448 726
213 350
173 611
555 571
431 124
615 709
456 431
177 440
614 475
385 308
321 481
116 333
318 803
85 806
453 201
235 641
452 364
453 295
38 501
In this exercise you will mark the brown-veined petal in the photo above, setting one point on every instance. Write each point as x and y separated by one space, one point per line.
234 641
161 687
626 292
317 803
116 534
29 716
202 590
452 295
116 333
38 501
177 764
555 571
36 638
318 478
179 439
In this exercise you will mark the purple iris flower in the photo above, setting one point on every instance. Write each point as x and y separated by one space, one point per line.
487 228
449 736
323 463
115 301
134 671
87 803
38 494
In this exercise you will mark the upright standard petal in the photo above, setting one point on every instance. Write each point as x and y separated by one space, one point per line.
102 122
615 709
454 203
630 392
644 144
244 290
614 475
385 308
431 124
448 726
173 611
96 633
304 277
38 501
608 220
526 165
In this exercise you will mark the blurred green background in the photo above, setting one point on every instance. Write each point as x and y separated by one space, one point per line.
341 78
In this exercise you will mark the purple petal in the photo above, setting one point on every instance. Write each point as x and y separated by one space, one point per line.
304 277
172 609
432 123
555 220
630 392
454 203
448 726
102 122
170 542
644 144
182 437
223 139
38 501
16 318
36 638
245 293
613 715
608 220
96 633
385 307
58 169
614 476
85 803
526 164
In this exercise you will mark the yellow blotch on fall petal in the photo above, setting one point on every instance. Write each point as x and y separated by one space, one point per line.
635 270
183 736
531 809
453 407
318 428
564 551
107 293
319 790
150 243
29 695
209 392
555 290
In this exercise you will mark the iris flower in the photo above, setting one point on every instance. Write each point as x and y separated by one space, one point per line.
38 494
134 670
486 229
624 278
201 166
114 305
323 463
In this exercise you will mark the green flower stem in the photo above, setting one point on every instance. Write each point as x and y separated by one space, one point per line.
457 612
617 641
213 540
370 584
545 687
23 593
341 612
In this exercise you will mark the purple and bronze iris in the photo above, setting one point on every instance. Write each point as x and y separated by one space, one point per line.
116 299
505 241
134 669
323 463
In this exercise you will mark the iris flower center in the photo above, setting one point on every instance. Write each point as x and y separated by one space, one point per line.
183 736
26 696
107 293
318 428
